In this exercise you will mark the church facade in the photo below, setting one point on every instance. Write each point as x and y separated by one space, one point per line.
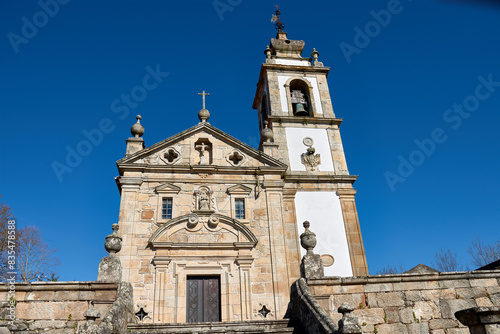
211 226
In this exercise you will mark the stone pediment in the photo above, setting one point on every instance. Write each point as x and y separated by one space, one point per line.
239 189
203 231
202 146
167 188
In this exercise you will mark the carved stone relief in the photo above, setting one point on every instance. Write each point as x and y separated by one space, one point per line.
310 159
204 201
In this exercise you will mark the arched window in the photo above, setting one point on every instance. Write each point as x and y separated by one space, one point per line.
263 110
301 101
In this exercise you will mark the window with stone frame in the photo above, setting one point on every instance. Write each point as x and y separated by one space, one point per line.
166 207
239 208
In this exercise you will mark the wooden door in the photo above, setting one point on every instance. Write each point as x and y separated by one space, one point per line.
203 299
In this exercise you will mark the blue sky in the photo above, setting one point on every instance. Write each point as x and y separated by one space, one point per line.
63 79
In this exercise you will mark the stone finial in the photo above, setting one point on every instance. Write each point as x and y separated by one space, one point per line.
315 55
348 323
267 134
268 51
91 314
137 129
308 239
110 268
113 243
90 326
203 115
345 308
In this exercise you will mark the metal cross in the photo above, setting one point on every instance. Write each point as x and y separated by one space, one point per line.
204 94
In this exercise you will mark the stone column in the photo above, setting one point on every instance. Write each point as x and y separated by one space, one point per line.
353 231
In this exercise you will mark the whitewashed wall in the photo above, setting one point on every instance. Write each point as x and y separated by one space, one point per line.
322 209
294 138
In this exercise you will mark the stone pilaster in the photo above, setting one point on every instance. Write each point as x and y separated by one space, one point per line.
274 198
353 230
291 235
128 218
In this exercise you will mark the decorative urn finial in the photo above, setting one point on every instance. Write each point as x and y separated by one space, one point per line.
266 133
268 51
137 129
315 54
308 239
113 243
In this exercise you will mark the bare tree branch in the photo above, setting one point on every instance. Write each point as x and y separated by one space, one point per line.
34 257
446 261
390 270
483 254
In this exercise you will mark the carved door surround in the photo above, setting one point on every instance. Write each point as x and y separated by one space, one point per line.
177 258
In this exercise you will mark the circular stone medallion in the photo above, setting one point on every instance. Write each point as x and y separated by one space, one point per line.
308 141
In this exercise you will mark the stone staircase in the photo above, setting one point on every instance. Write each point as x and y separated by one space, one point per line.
231 327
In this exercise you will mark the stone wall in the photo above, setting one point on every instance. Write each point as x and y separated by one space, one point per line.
53 307
409 303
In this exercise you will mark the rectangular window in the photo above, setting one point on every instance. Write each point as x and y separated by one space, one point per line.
166 208
239 205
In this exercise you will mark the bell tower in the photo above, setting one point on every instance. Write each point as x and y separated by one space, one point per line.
299 128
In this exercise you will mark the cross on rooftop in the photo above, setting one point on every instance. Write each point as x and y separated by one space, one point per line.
204 94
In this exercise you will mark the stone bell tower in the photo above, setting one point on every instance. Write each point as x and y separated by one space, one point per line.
299 128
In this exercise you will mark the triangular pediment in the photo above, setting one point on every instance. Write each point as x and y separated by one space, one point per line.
167 188
239 189
201 146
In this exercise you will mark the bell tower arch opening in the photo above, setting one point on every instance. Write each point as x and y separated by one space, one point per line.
300 98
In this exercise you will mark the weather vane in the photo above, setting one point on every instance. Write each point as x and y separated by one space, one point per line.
276 19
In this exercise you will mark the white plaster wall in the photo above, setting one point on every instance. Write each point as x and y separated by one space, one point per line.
282 79
294 138
294 62
322 209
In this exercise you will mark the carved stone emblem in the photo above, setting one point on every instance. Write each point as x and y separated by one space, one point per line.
309 159
203 200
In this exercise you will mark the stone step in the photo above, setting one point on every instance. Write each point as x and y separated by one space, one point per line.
230 327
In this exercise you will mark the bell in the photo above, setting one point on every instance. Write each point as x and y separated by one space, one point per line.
300 111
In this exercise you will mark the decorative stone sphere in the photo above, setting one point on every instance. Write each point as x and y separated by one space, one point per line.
137 130
266 133
113 243
308 239
203 115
